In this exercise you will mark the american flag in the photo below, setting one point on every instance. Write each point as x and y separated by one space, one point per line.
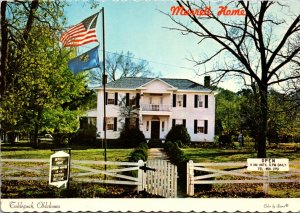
82 33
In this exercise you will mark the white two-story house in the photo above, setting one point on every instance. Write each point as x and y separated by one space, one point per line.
156 105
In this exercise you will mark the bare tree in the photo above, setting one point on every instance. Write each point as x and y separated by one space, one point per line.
119 65
258 46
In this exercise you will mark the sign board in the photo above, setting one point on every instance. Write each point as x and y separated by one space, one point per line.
59 169
268 164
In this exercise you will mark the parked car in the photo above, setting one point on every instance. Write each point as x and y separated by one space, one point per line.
45 137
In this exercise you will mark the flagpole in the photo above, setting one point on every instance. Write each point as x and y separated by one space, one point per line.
104 92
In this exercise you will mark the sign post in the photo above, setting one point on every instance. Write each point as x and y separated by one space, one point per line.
266 165
59 169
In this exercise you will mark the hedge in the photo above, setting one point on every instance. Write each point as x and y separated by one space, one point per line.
178 158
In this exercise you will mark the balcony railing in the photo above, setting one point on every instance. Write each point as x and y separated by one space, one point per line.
156 107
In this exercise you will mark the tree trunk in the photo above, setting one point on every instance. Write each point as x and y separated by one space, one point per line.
263 118
36 129
4 37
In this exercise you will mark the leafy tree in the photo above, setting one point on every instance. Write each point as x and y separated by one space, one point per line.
250 47
37 80
227 112
178 133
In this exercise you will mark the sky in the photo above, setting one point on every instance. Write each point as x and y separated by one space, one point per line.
137 26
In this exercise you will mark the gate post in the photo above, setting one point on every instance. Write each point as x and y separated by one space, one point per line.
190 176
140 176
266 183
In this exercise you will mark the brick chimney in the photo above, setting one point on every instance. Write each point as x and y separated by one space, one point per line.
206 81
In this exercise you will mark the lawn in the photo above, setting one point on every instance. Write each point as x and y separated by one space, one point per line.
282 190
31 189
77 152
240 154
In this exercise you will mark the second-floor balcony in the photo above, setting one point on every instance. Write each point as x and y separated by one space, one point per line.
156 107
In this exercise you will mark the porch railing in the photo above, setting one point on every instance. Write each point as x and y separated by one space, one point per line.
156 107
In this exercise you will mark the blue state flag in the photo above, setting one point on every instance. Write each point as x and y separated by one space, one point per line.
85 61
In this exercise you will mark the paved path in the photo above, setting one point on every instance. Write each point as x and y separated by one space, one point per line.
157 153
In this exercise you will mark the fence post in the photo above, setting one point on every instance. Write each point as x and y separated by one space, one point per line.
190 176
140 176
266 183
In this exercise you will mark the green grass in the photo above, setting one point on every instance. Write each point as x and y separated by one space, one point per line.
234 155
280 190
87 154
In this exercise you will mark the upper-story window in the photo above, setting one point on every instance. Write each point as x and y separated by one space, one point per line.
179 100
133 99
111 98
201 101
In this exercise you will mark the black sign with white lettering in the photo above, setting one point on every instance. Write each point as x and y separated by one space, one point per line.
59 169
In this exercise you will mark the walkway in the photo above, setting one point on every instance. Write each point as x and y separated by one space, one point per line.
157 153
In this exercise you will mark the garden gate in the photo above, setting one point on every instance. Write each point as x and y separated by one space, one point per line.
160 178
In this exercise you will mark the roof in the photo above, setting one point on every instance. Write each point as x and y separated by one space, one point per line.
135 82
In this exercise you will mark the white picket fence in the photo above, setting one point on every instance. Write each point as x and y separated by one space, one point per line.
239 171
162 181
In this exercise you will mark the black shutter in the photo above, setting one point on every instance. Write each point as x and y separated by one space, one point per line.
196 101
137 123
137 100
174 100
173 122
205 126
115 123
184 122
116 98
195 126
126 123
127 99
104 124
105 97
206 101
184 100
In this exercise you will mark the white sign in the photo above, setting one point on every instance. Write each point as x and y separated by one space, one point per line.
268 164
59 169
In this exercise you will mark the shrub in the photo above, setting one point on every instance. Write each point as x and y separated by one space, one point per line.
224 140
84 137
178 133
139 153
178 158
131 138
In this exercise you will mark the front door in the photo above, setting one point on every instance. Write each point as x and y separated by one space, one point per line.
155 126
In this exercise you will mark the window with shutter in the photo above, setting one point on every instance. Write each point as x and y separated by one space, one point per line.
111 98
109 123
179 100
200 126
